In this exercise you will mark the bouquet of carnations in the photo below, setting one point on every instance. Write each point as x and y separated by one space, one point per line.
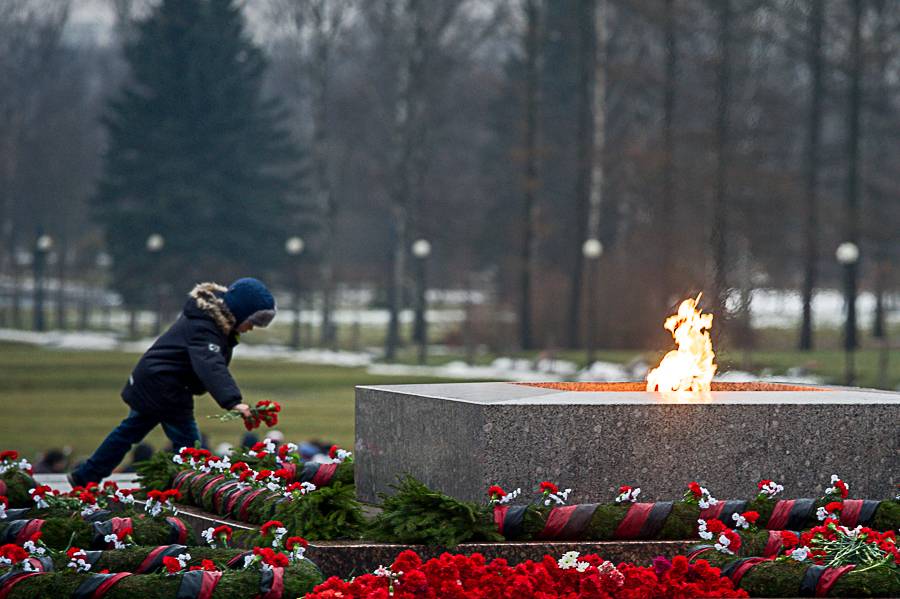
264 411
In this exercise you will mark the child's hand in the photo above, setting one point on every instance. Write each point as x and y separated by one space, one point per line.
244 410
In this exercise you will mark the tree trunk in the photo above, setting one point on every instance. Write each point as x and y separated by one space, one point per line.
533 9
584 159
667 193
719 231
851 205
813 132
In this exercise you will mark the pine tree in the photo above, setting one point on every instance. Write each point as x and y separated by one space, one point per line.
196 153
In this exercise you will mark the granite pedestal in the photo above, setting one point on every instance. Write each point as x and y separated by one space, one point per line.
460 438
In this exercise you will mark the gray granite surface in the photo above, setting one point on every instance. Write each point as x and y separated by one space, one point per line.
461 438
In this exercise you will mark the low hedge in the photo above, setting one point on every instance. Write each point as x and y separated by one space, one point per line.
60 533
296 581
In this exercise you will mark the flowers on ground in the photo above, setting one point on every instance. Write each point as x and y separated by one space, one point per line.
219 535
830 511
473 577
497 496
745 520
628 494
11 554
768 489
339 455
550 493
39 495
9 461
838 488
699 495
77 559
174 565
276 530
162 501
726 540
296 546
831 544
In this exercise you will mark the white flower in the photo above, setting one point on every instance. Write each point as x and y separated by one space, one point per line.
509 496
33 548
631 495
273 486
279 534
800 553
297 554
28 567
248 560
582 566
89 509
114 539
740 521
383 572
2 512
560 497
126 499
823 514
568 560
183 559
341 455
178 459
78 563
706 535
771 489
833 488
5 561
723 544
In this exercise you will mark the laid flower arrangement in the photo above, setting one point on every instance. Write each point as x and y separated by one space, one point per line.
828 560
416 514
15 479
473 577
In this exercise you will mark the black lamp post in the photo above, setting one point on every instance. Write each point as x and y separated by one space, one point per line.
294 246
592 249
421 250
42 246
848 255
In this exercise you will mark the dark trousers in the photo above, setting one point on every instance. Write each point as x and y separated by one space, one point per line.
132 430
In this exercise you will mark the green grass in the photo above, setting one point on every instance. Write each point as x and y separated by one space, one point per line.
56 398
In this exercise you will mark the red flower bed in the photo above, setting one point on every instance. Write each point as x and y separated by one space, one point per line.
472 577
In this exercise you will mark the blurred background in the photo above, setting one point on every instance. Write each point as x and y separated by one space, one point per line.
478 189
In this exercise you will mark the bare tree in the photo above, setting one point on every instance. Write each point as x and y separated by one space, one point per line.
813 133
532 45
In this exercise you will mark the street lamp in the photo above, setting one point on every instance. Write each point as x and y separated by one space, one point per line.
155 245
421 249
42 246
592 249
847 255
294 246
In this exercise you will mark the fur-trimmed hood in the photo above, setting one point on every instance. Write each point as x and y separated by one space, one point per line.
208 297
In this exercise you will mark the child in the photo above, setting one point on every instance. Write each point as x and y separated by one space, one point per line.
189 359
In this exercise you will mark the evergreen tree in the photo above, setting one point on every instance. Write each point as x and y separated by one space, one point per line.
196 153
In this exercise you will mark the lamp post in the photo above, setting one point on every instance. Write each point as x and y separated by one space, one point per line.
592 249
42 246
294 246
421 249
155 245
847 255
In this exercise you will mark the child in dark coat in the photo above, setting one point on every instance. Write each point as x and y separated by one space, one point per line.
190 358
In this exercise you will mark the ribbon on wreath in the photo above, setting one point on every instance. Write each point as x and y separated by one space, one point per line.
633 523
724 510
858 511
220 494
271 583
154 559
178 531
509 519
791 514
98 585
19 531
245 504
211 484
111 526
233 500
568 522
198 584
775 543
739 567
11 579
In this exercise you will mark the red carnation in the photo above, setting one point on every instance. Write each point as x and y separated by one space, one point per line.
496 492
751 517
4 501
283 451
624 489
294 541
283 473
271 524
173 566
834 506
263 474
789 539
763 483
13 553
173 494
332 453
9 454
206 564
257 447
716 526
222 530
155 495
548 487
71 552
842 488
694 487
239 466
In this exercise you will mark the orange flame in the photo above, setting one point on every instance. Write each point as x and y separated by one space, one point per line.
691 366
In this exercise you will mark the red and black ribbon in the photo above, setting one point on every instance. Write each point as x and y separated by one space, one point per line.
220 494
98 516
568 522
41 564
736 569
292 471
183 477
829 577
238 560
19 531
309 471
198 584
112 526
18 513
98 585
245 504
724 510
178 531
92 557
791 514
324 474
509 519
154 559
208 486
698 550
271 583
810 580
11 579
233 499
631 525
858 511
655 519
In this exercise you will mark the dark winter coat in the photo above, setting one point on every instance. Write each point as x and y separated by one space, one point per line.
189 359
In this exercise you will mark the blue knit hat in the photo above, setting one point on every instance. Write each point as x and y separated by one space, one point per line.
250 300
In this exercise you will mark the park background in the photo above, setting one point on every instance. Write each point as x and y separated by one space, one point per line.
453 189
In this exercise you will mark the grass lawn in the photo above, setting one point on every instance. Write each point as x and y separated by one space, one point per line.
58 398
